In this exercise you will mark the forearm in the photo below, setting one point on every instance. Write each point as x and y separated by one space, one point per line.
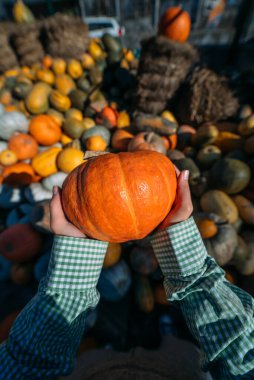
219 315
46 335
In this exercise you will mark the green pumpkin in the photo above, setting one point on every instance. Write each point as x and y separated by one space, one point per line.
21 90
97 130
208 155
78 99
73 127
230 175
112 44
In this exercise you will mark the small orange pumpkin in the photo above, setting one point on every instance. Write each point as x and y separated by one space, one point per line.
47 61
45 130
96 143
108 117
20 174
120 140
24 145
175 24
207 228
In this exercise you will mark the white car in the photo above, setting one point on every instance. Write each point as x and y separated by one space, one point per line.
100 25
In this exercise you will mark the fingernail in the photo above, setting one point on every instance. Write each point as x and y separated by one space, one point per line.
55 190
186 174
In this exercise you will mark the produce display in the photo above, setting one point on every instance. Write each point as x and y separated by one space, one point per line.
57 108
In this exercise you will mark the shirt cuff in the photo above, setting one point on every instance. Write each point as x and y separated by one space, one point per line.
179 249
75 263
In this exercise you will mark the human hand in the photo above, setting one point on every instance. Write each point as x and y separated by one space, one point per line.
182 208
58 223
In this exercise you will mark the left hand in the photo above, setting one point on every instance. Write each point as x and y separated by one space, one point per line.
58 223
182 208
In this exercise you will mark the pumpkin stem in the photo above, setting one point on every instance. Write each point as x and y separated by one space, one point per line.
93 153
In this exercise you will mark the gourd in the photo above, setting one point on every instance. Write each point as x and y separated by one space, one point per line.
21 89
59 66
245 209
56 179
126 201
143 260
114 282
22 13
147 141
69 158
218 202
78 99
207 227
45 75
175 24
123 120
87 61
206 134
74 113
59 101
120 139
230 175
64 84
74 69
56 115
143 294
157 124
73 128
96 143
83 84
36 100
20 174
45 162
208 155
108 117
11 122
23 145
228 141
47 61
20 242
112 255
45 130
97 130
8 157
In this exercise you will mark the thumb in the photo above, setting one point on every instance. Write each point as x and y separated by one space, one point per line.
184 194
56 211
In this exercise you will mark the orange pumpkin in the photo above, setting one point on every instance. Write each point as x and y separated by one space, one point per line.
175 24
20 174
108 117
45 130
172 141
121 139
96 143
45 75
207 228
24 145
114 197
47 61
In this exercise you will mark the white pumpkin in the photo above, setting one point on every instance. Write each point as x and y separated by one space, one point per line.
11 122
54 180
37 193
3 145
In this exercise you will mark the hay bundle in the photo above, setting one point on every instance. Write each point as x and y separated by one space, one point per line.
65 36
8 58
26 41
206 97
164 64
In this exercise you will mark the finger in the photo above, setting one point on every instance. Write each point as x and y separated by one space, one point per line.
57 216
184 194
177 171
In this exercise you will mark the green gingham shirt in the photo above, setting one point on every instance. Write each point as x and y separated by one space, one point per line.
46 335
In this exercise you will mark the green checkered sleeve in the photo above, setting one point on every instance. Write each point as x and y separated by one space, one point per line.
218 314
44 339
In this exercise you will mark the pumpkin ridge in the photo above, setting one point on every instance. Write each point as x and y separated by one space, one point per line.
131 208
167 185
80 186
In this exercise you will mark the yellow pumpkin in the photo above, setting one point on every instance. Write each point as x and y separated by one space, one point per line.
8 157
69 159
44 163
96 51
87 61
96 143
59 101
36 100
45 75
59 66
74 114
65 139
74 69
64 84
88 123
123 120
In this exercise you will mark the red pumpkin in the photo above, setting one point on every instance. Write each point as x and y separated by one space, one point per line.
20 242
175 24
120 197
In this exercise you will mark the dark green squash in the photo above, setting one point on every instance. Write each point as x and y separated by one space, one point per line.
208 155
78 99
230 175
83 84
